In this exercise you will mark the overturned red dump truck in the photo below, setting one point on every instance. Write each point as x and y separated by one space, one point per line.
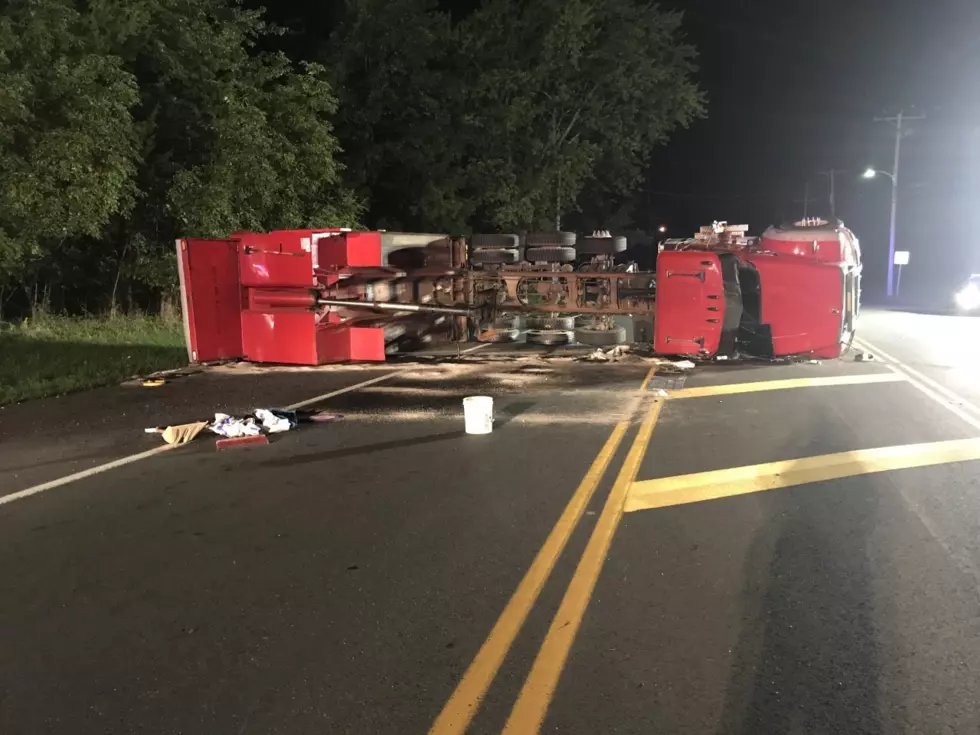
312 297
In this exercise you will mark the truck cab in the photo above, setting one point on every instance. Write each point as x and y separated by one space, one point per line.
795 291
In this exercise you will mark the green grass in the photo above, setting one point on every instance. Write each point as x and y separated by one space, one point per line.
51 355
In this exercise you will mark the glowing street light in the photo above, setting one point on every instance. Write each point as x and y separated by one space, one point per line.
871 173
662 228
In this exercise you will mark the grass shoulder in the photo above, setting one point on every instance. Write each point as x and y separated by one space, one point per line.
50 355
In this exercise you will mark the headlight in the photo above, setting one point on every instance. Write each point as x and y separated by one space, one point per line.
968 298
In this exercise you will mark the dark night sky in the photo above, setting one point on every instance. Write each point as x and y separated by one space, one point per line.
793 88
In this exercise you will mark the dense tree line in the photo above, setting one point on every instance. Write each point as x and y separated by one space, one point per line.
126 125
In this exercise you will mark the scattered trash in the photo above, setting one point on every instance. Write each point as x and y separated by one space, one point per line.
684 365
153 382
721 357
264 420
864 357
241 441
179 434
813 362
610 355
229 427
321 417
275 422
661 393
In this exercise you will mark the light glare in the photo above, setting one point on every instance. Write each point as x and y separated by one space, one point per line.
968 298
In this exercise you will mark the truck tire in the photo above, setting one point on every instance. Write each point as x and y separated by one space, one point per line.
549 337
601 245
504 335
550 239
506 321
480 241
563 323
494 255
550 254
600 337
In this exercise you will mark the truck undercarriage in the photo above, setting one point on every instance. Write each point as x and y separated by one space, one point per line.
319 296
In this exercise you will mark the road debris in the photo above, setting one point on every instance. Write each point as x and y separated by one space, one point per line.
153 382
864 357
230 427
684 365
263 421
321 417
660 393
180 433
240 441
275 422
613 354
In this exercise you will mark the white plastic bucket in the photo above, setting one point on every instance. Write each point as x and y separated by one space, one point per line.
478 414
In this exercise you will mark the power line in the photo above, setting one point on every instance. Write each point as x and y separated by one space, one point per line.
832 175
805 201
702 195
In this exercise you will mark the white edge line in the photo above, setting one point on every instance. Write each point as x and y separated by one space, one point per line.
931 382
341 391
372 381
85 473
921 382
939 387
50 485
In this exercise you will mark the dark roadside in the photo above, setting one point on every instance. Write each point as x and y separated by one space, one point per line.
47 438
50 438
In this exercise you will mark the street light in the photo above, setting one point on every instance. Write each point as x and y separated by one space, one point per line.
871 173
662 228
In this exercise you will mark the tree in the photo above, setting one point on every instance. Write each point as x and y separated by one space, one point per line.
231 138
567 93
68 146
502 120
395 65
124 126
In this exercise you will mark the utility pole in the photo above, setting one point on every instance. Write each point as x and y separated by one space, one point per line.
897 121
805 201
832 175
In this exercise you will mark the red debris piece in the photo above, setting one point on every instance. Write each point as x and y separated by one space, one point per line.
241 441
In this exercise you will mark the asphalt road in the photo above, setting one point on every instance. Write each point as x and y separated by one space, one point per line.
603 562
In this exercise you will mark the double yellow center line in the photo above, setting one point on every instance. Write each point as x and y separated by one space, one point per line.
531 705
627 495
539 689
